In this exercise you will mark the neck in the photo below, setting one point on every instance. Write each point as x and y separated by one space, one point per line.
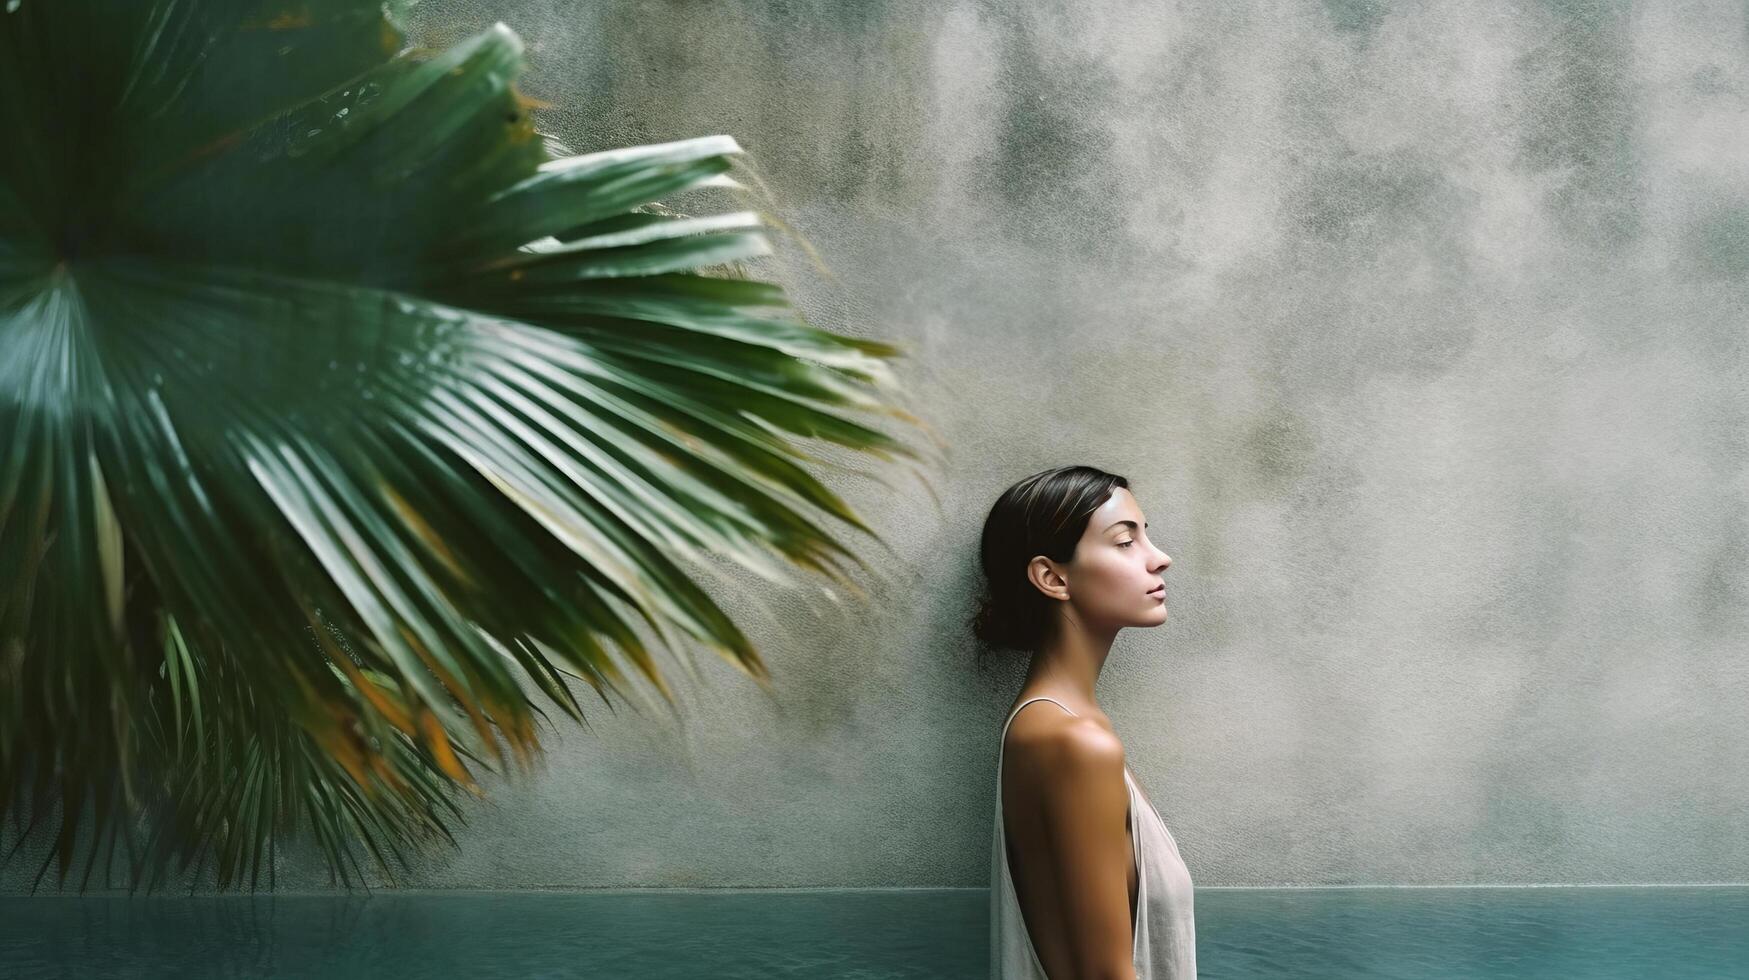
1069 665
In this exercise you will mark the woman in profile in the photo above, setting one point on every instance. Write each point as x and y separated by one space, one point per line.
1086 883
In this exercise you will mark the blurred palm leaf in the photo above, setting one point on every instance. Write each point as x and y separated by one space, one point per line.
332 408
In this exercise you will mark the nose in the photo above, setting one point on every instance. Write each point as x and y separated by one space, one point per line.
1164 563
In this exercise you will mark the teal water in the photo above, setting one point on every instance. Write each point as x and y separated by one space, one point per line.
1411 934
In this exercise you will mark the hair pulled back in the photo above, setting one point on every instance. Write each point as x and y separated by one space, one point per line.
1044 514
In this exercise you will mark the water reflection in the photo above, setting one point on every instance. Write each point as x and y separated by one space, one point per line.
1428 934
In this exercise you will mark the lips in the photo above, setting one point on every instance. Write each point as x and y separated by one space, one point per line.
1158 590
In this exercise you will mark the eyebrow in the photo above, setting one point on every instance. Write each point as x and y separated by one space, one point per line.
1132 524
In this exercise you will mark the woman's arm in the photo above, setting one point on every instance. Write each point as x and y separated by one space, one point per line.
1084 807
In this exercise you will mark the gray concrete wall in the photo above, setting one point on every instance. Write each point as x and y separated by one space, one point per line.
1420 331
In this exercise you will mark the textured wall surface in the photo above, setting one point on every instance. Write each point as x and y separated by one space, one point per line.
1420 330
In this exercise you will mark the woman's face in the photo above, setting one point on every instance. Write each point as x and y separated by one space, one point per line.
1115 578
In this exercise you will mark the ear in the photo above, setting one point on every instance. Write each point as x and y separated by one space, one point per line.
1047 577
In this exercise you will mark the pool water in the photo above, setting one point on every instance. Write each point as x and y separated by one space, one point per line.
1414 934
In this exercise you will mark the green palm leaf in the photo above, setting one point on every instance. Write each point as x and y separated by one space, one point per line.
333 409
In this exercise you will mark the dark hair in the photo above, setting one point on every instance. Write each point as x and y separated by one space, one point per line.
1044 514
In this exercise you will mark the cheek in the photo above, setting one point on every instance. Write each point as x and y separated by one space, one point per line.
1113 581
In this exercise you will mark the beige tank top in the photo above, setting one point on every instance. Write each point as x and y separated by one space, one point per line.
1164 944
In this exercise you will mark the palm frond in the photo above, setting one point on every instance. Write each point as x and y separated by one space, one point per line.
334 410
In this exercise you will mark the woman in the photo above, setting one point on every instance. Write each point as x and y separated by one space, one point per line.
1086 880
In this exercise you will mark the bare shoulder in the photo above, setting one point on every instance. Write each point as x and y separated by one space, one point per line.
1050 745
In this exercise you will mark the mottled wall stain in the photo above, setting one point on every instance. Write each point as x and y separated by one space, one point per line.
1718 244
1720 596
1046 172
1281 451
1580 120
1360 17
1420 329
